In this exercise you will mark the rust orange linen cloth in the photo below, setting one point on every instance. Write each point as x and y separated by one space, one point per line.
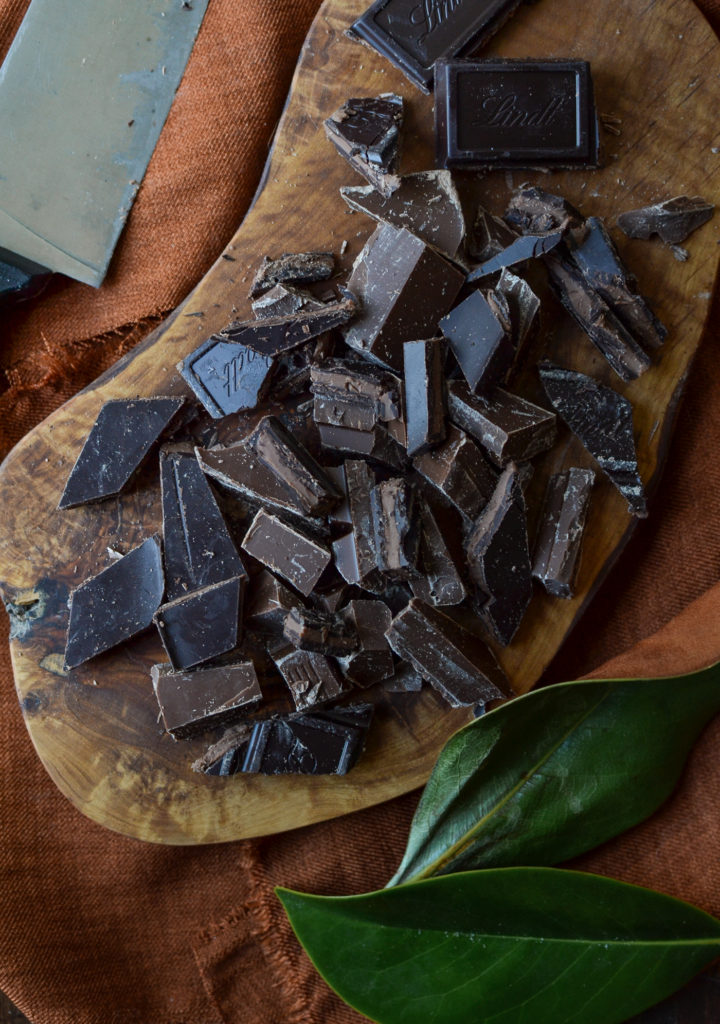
99 929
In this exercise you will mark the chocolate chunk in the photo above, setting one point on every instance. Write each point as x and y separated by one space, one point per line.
346 559
116 604
562 522
673 220
363 546
311 677
405 286
490 235
197 547
346 380
288 552
426 203
268 603
309 486
203 624
224 756
292 369
397 534
603 421
532 211
499 558
366 131
509 428
119 440
333 599
310 630
439 583
375 444
351 413
523 305
526 247
406 680
459 471
479 342
414 36
373 661
339 515
274 335
515 113
284 300
324 743
193 701
424 394
293 268
455 662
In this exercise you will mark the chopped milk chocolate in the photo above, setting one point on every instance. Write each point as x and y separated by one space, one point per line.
287 551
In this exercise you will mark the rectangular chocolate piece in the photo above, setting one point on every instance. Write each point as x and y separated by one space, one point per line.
286 551
293 268
360 483
397 533
509 428
458 469
345 380
320 632
415 35
324 743
559 539
375 444
373 661
438 582
192 701
366 131
202 625
515 114
311 677
280 452
268 603
424 363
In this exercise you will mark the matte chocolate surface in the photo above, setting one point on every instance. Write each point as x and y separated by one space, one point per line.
119 440
286 551
375 444
489 236
202 625
479 342
438 583
515 114
397 533
603 421
523 306
673 220
324 743
360 481
559 539
424 363
284 300
350 379
533 211
311 677
268 603
192 701
323 633
460 472
366 131
117 604
293 268
509 428
373 661
306 481
527 247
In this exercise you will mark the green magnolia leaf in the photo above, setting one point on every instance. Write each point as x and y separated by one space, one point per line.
554 773
504 946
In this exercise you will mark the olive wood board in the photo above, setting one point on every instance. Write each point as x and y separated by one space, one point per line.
96 730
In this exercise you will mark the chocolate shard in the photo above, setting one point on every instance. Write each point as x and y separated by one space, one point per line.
274 335
439 583
346 559
490 235
193 701
593 315
203 624
426 203
424 363
515 114
350 413
286 551
373 660
405 287
397 534
455 662
197 547
508 427
479 342
327 742
311 677
366 131
293 268
310 487
376 444
673 220
533 211
559 539
268 603
224 757
349 379
284 300
117 604
523 305
291 375
460 472
322 633
119 440
406 680
414 37
526 247
339 515
363 545
603 421
499 558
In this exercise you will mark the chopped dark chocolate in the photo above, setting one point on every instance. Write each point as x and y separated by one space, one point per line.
526 247
225 756
286 551
373 661
311 677
293 268
406 680
352 412
375 444
284 300
405 286
523 304
499 558
603 421
366 131
509 428
532 211
193 701
426 203
310 487
416 35
559 539
490 235
339 515
439 583
115 605
360 481
673 220
455 662
346 558
351 379
275 335
203 624
323 743
424 363
119 440
460 472
311 630
268 603
397 532
479 342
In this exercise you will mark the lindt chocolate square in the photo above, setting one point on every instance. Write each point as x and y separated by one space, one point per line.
515 114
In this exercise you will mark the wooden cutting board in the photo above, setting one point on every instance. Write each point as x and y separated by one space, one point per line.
656 65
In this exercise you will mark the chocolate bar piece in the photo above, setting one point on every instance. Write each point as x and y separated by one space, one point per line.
375 444
424 363
523 305
455 662
499 558
311 677
268 603
351 413
287 551
306 481
526 247
515 114
115 605
562 522
405 286
366 131
533 211
360 481
346 380
509 428
460 472
416 35
193 701
324 743
603 421
426 203
293 268
489 236
439 583
311 630
479 342
119 440
406 680
673 220
373 661
397 534
203 624
197 547
284 300
224 756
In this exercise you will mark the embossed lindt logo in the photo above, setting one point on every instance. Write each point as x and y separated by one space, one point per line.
431 14
510 111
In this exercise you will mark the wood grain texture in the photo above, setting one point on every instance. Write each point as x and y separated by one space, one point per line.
656 68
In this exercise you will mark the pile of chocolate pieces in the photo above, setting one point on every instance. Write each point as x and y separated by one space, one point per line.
363 522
